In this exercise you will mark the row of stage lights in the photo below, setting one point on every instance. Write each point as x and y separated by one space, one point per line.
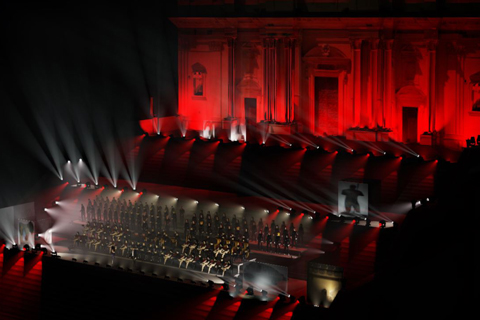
312 146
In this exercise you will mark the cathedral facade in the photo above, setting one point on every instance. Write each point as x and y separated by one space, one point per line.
410 79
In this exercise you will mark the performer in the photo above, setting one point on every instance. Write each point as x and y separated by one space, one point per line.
112 252
260 239
269 241
351 198
82 212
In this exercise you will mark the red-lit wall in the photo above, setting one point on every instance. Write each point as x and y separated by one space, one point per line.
380 67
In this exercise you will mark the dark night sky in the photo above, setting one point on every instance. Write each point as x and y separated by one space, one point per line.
81 67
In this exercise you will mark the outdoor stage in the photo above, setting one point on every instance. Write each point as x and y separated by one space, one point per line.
340 243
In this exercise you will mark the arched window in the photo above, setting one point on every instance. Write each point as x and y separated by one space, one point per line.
199 77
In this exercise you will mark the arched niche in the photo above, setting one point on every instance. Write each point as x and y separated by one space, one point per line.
325 61
409 98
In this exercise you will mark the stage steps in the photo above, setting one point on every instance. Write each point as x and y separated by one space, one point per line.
20 294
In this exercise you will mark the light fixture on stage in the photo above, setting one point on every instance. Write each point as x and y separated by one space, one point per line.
109 266
282 297
210 284
68 161
293 299
266 211
367 222
57 202
97 264
196 202
176 199
382 224
216 204
154 274
179 279
318 147
264 293
250 291
26 247
120 268
74 259
85 261
356 221
129 270
44 209
88 184
80 160
226 286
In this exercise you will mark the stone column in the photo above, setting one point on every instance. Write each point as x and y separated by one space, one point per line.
432 53
231 77
289 63
357 80
387 103
375 112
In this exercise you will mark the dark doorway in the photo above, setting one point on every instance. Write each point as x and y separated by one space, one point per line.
250 118
409 128
326 105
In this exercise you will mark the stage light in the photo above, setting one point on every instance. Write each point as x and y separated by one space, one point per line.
109 266
179 279
264 293
266 211
176 199
428 199
216 204
250 291
318 147
293 299
57 202
290 144
382 224
210 284
367 222
74 259
120 268
44 209
79 160
85 261
134 188
243 208
97 264
154 274
61 178
26 247
226 286
196 202
68 161
384 153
